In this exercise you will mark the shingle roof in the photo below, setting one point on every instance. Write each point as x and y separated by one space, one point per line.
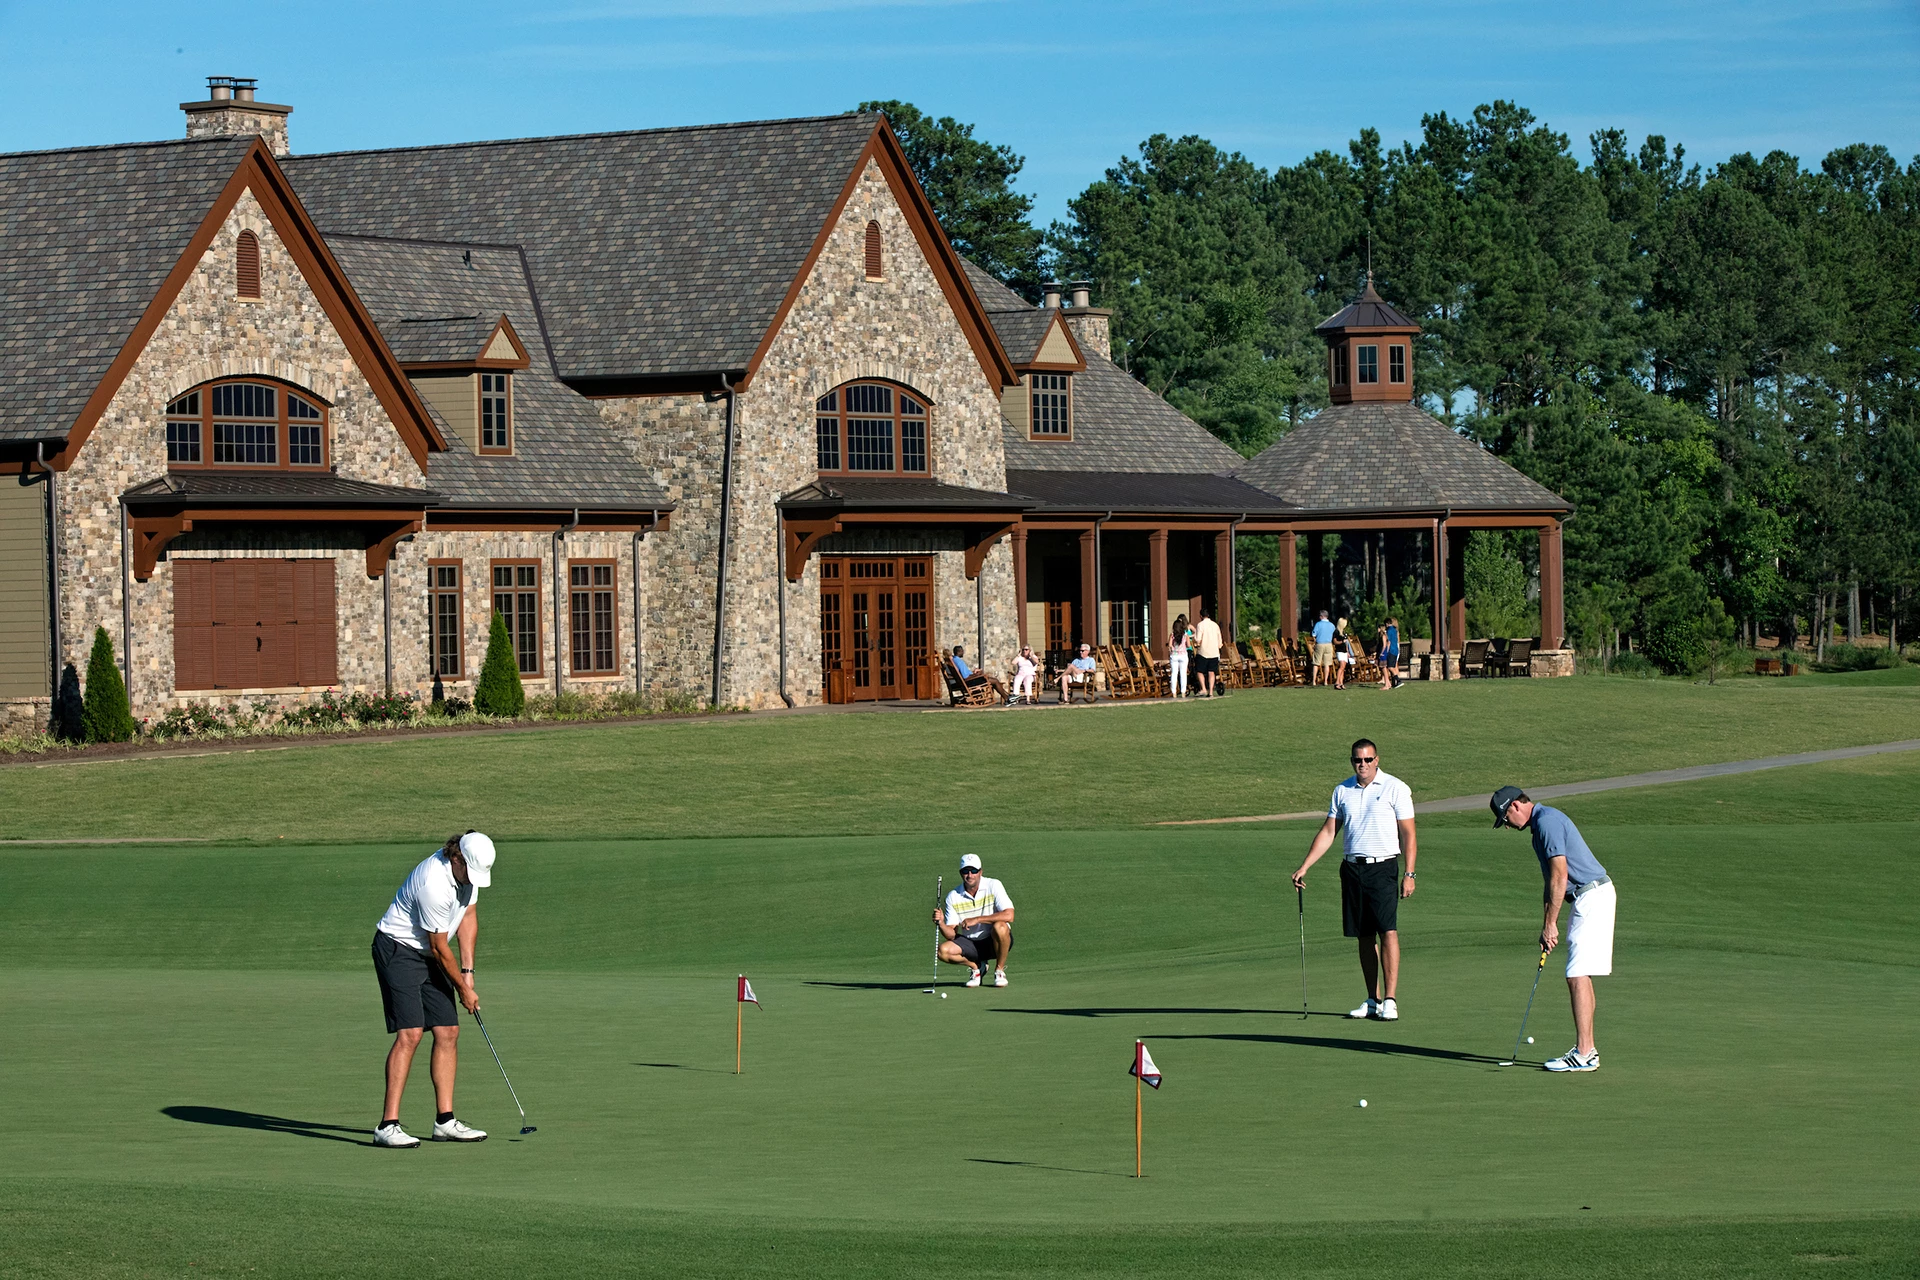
1022 332
658 252
279 488
1136 491
1368 311
993 295
87 236
424 339
1365 457
854 492
565 454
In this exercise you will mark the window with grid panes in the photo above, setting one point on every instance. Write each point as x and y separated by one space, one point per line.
183 429
496 423
516 597
444 643
1368 363
1051 406
868 428
1340 365
246 424
594 609
1396 364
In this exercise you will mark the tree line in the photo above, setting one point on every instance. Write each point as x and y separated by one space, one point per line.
1719 367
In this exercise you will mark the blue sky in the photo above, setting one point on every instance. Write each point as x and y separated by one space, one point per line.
1071 86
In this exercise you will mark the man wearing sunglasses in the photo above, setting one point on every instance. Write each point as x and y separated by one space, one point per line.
1375 811
976 923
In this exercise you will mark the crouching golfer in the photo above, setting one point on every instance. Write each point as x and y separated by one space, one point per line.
976 923
1574 875
420 978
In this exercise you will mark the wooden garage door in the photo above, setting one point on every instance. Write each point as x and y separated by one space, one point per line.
254 624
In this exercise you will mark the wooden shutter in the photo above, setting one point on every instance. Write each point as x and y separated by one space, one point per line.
875 263
192 624
246 265
316 629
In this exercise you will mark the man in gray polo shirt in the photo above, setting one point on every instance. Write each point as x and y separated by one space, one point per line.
1572 874
1376 810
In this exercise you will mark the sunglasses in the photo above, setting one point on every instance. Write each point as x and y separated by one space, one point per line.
969 871
1363 759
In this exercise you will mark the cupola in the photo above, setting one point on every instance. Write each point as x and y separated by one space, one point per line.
1369 351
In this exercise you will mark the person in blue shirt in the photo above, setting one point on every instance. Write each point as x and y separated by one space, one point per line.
1079 671
1572 874
1390 654
1323 650
970 677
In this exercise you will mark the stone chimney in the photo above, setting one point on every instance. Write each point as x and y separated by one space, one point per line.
230 111
1092 326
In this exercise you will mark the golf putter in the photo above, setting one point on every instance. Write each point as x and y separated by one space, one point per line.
938 881
524 1126
1302 892
1529 1013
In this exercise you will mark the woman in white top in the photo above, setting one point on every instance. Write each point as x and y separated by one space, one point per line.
1023 669
1342 654
1178 646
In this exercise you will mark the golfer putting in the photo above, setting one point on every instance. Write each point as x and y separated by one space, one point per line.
420 978
976 924
1572 874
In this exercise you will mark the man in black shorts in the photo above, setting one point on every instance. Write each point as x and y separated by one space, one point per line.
1375 809
976 923
420 978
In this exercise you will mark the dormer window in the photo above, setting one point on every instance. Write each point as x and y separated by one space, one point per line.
1051 405
875 263
496 413
865 428
1396 364
246 266
246 424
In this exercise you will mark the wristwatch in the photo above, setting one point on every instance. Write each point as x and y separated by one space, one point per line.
1408 874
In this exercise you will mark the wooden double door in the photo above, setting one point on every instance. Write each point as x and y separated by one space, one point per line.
875 627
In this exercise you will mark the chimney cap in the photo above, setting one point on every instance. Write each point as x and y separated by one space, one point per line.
1050 295
1081 292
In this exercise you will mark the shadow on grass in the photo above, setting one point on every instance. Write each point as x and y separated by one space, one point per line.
681 1066
272 1124
1121 1012
1050 1168
1351 1046
874 986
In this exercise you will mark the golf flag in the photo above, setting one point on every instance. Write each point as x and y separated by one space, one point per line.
745 994
1143 1065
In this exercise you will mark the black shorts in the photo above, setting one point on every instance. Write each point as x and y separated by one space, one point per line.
1205 666
979 949
1370 897
414 990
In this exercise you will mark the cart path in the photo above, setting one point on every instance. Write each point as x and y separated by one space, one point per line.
1692 773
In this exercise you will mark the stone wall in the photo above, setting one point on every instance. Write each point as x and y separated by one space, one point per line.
209 332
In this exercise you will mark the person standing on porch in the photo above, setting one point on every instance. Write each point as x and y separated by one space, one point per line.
1323 650
1207 638
1178 645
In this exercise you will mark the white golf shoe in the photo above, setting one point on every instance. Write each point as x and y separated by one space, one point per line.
1365 1010
973 979
391 1134
454 1131
1387 1010
999 977
1572 1060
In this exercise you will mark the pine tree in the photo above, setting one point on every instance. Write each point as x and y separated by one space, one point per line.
68 711
105 715
499 692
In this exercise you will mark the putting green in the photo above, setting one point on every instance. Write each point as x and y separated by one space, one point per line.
195 1044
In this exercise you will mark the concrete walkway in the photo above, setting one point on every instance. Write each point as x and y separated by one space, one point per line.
1692 773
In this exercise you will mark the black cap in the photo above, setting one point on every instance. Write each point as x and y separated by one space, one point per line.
1501 799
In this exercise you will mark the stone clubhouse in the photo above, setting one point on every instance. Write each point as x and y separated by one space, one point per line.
714 412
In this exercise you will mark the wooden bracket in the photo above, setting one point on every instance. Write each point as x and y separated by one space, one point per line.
801 537
151 534
977 550
381 552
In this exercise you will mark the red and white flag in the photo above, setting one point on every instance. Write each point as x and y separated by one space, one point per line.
745 996
1143 1064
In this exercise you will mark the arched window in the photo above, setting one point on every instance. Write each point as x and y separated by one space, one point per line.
875 263
246 265
246 424
864 428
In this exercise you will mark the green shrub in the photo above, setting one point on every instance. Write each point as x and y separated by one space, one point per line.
1633 664
69 712
1858 657
499 692
105 715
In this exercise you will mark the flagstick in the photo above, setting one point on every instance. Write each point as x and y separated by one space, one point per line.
1136 1126
739 1020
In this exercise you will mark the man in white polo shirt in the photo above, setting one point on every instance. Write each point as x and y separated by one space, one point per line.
420 978
976 923
1375 809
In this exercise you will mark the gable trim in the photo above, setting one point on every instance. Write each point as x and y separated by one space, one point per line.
884 149
1043 366
258 173
480 360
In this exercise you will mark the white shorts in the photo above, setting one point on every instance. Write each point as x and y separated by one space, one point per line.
1590 934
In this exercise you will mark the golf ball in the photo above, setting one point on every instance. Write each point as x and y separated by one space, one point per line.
1363 1102
943 996
1529 1039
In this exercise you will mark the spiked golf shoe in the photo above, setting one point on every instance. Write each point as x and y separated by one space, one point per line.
391 1134
454 1131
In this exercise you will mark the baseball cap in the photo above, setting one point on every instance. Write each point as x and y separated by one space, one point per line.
478 851
971 862
1501 799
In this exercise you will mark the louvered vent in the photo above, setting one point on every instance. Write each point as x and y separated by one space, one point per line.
246 265
874 261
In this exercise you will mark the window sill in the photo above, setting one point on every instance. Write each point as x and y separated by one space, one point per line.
1051 439
248 301
876 279
596 677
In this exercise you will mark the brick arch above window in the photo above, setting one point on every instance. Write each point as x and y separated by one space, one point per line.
247 423
246 265
871 427
303 378
876 258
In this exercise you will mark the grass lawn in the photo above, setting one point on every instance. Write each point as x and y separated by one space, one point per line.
194 1039
1258 751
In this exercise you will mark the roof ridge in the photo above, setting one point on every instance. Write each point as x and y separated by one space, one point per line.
424 240
245 139
580 137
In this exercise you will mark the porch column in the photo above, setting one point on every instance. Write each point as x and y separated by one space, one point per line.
1223 582
1457 589
1158 623
1289 587
1316 574
1437 664
1553 605
1089 590
1020 578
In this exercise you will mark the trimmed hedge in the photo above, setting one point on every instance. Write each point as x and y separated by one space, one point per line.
499 692
105 714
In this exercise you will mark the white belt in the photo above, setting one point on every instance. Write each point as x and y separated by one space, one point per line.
1367 862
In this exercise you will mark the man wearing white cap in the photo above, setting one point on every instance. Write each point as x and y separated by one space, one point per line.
976 923
420 978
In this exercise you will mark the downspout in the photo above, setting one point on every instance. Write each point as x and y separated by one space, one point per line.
386 617
780 584
559 657
638 651
126 605
53 562
726 503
